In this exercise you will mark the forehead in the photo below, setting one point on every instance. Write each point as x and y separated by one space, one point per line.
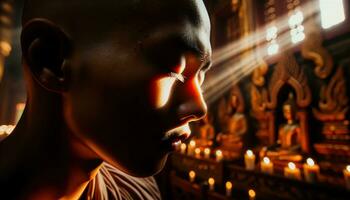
156 21
152 21
160 11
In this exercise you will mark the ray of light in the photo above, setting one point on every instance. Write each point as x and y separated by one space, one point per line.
230 66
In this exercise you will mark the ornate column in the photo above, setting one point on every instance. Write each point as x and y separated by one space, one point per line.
6 26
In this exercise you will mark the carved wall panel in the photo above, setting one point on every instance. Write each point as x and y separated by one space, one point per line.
288 71
312 49
333 102
264 98
6 25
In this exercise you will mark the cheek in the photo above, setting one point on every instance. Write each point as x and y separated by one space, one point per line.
160 91
195 88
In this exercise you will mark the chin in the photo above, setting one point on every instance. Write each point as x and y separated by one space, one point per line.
145 169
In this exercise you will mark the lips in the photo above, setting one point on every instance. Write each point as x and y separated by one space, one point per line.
175 136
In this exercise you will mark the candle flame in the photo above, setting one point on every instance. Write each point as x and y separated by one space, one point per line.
192 174
228 185
183 146
348 168
266 160
250 153
251 193
207 151
211 181
310 162
193 143
197 150
291 165
218 153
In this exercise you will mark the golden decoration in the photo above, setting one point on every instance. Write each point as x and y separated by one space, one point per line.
333 103
288 71
312 49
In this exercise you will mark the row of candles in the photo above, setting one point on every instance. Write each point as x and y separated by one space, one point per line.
311 171
197 152
228 185
291 171
310 168
6 129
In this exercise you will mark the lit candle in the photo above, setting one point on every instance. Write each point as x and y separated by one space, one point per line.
191 147
9 129
3 129
192 176
219 155
251 194
266 166
347 176
249 159
197 152
228 188
207 153
311 171
292 171
211 182
183 148
177 145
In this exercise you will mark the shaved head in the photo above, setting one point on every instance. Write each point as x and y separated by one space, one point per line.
110 63
81 18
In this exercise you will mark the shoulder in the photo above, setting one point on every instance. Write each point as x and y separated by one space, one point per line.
111 183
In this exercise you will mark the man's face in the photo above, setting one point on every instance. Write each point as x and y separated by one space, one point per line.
132 87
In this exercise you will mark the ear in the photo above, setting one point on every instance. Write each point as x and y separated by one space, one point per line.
46 50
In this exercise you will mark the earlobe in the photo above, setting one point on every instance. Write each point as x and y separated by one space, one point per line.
45 49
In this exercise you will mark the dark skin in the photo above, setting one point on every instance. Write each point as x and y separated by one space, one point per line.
106 81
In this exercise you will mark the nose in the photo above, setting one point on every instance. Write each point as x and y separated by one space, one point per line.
192 106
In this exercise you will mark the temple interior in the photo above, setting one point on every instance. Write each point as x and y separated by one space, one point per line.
278 102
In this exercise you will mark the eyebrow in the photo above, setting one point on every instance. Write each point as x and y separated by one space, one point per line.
182 43
197 49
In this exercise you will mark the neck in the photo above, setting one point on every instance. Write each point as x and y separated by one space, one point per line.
55 163
290 121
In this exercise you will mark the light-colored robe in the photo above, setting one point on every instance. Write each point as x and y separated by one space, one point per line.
113 184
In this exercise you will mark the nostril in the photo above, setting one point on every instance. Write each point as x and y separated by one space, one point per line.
188 118
201 114
192 111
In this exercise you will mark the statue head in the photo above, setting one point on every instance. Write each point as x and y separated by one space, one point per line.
234 101
289 108
123 75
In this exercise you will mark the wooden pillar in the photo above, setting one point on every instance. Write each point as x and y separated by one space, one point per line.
6 27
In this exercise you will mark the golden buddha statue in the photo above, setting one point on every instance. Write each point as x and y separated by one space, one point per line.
206 133
231 140
289 135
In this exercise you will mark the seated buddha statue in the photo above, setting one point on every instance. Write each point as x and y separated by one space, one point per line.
287 146
230 141
206 133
